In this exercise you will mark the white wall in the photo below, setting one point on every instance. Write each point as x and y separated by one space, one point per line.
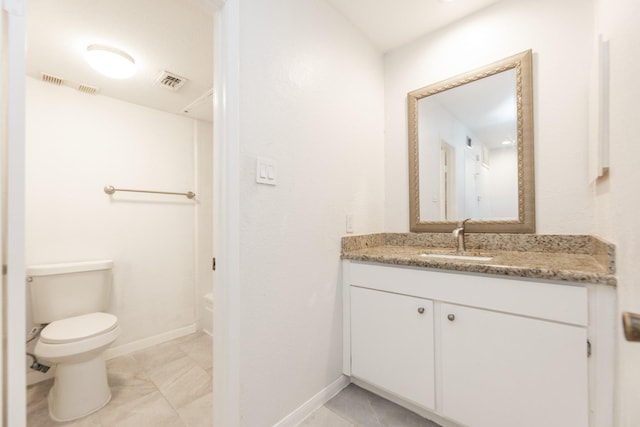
617 197
559 34
500 183
311 98
76 145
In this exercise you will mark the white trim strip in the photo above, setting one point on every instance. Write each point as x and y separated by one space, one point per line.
311 405
145 343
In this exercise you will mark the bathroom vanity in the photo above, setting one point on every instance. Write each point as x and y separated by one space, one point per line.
524 338
516 331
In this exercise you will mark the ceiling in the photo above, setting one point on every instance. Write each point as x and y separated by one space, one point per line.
390 24
161 35
177 36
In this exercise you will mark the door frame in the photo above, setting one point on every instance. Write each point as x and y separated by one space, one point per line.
226 212
13 79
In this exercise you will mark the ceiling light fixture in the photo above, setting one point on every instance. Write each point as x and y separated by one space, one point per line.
110 61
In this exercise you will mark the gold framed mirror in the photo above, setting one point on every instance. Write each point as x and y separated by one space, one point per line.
471 150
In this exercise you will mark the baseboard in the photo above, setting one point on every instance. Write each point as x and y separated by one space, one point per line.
122 350
145 343
322 397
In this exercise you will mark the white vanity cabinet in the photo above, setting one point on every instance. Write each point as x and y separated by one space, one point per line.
392 343
503 370
484 351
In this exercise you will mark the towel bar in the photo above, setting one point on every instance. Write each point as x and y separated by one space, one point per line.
109 189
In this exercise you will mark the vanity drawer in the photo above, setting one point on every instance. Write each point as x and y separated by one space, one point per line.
554 301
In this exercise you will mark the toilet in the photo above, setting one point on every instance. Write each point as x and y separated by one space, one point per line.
71 299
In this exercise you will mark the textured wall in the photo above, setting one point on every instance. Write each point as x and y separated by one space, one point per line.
311 98
617 196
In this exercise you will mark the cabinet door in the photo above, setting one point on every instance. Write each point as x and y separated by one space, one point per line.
392 343
501 370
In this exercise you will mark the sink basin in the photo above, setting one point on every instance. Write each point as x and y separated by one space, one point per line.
458 257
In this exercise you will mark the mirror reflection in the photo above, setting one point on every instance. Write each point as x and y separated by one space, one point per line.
468 151
471 150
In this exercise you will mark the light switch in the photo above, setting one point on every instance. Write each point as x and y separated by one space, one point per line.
266 171
349 225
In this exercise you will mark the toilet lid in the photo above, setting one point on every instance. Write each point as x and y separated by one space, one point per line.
78 327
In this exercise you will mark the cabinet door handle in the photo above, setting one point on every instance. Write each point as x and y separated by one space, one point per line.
451 317
420 310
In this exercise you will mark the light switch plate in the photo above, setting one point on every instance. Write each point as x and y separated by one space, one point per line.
349 223
266 171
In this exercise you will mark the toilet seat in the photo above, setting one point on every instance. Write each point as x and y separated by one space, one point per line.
78 328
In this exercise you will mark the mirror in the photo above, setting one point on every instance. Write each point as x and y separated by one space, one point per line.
471 150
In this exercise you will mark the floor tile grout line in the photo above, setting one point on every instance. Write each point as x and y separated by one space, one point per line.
342 417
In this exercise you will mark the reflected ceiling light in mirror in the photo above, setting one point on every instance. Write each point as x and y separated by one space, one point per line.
507 142
110 62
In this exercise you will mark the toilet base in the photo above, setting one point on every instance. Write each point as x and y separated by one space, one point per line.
79 389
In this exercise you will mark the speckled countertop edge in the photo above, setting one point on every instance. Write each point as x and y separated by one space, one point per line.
574 258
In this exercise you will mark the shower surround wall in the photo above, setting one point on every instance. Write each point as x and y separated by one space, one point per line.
76 145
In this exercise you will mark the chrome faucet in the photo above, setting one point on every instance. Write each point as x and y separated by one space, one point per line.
458 233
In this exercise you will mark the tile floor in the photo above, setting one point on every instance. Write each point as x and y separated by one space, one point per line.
170 385
166 385
356 407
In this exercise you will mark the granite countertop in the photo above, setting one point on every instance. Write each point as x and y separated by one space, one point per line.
573 258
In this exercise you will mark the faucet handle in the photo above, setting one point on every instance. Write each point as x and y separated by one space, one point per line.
463 222
460 228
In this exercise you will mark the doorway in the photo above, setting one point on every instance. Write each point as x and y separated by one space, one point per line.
447 182
131 134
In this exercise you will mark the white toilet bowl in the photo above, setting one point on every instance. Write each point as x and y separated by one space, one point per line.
76 346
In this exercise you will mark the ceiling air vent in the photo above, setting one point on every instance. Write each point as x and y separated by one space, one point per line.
170 81
91 90
59 81
49 78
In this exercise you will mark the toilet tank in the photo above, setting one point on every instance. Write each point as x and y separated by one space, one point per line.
64 290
